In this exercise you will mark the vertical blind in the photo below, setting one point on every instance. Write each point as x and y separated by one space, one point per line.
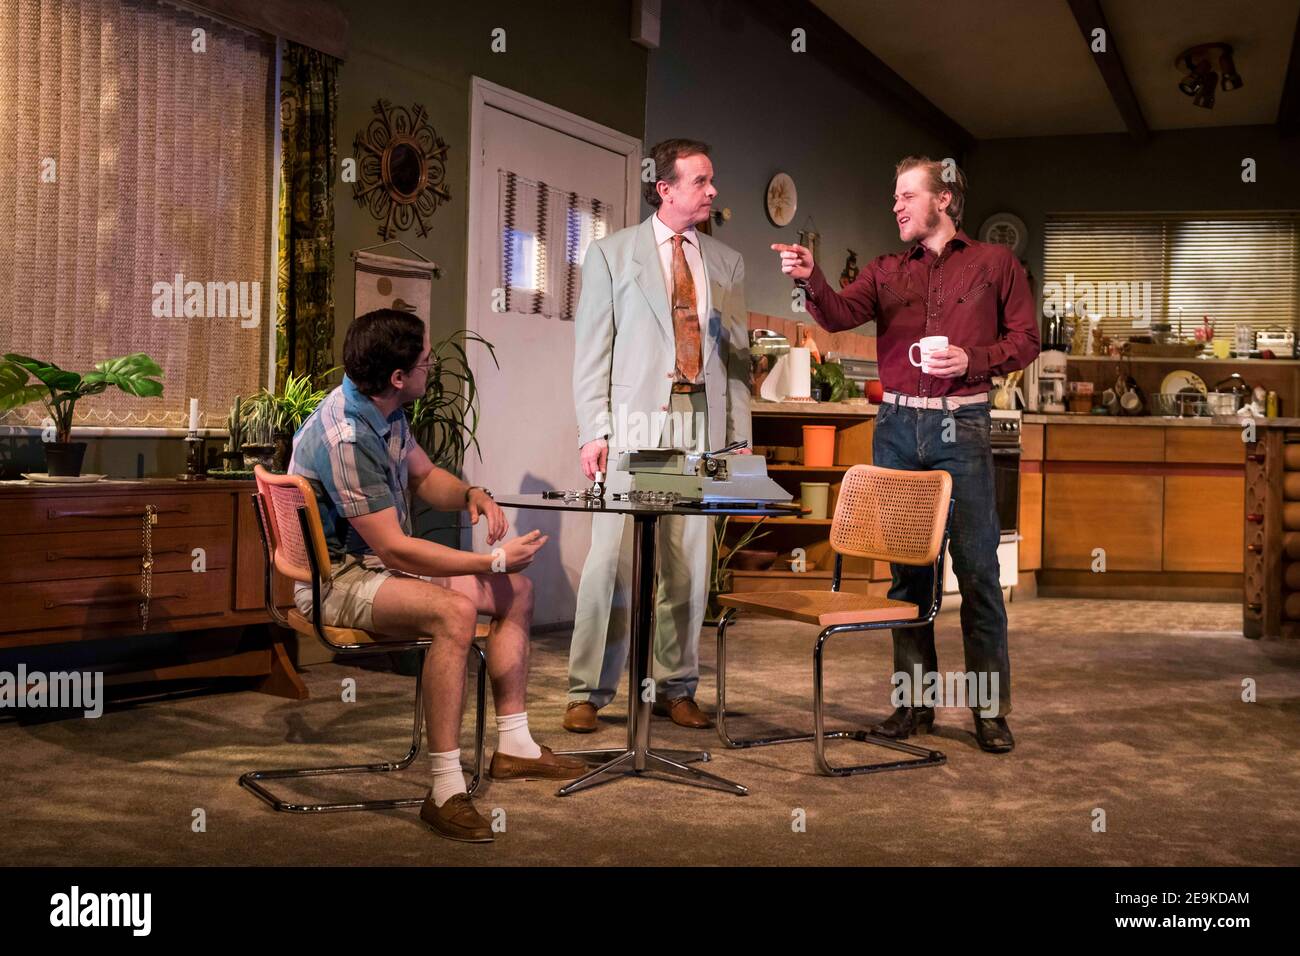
1135 268
135 171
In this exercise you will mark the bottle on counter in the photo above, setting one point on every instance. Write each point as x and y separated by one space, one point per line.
1270 405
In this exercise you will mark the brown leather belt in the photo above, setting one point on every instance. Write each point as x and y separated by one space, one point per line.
686 388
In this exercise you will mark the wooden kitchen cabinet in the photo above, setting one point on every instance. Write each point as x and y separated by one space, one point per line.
1121 513
1105 443
1202 522
1030 520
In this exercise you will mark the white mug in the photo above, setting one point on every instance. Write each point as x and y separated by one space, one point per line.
927 346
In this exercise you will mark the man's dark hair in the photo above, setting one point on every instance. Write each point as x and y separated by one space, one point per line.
378 344
665 156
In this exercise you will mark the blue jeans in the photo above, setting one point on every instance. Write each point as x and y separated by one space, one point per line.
913 439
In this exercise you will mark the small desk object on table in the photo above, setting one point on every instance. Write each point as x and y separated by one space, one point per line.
637 758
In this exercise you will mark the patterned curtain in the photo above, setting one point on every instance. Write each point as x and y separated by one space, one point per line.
304 317
544 234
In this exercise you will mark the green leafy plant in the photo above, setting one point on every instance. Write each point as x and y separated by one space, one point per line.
296 401
24 380
832 374
445 419
720 574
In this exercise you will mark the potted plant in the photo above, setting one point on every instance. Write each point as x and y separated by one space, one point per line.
720 577
293 406
259 430
445 420
232 456
24 380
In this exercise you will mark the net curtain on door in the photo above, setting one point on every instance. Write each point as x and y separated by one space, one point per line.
544 234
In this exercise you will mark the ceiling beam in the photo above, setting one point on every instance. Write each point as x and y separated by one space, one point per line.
1089 16
834 46
1288 111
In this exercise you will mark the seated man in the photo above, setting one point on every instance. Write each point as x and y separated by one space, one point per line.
360 457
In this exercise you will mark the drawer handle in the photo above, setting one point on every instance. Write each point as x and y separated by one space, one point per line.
116 513
107 601
106 555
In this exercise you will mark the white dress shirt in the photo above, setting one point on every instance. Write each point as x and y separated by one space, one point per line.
695 262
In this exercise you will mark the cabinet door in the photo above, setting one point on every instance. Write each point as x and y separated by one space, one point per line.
1119 513
1031 520
1203 527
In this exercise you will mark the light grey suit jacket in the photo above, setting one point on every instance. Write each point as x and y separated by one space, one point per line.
625 352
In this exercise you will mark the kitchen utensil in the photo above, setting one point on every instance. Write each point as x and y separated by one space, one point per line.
1235 385
1221 403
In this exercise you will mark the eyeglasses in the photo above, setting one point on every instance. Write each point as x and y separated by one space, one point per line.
424 365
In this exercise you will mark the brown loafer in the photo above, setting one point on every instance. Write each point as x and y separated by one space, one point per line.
684 713
457 820
580 717
549 766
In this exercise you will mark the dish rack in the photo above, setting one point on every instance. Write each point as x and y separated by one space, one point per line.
1189 405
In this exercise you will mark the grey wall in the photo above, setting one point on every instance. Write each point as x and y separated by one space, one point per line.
1178 170
573 54
724 77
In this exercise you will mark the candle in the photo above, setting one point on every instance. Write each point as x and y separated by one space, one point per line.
194 414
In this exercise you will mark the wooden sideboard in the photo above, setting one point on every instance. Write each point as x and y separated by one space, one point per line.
71 557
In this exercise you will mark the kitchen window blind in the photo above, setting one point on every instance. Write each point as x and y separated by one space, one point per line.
1135 268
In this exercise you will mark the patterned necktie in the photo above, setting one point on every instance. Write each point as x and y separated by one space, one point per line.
686 322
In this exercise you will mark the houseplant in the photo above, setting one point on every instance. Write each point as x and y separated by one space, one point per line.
720 578
269 420
24 380
445 419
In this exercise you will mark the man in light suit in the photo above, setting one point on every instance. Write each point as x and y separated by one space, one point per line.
661 359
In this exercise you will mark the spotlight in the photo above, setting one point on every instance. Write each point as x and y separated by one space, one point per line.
1205 97
1199 79
1231 78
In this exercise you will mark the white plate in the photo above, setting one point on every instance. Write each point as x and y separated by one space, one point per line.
62 479
1179 379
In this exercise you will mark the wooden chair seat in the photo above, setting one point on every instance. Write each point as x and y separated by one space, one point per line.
824 608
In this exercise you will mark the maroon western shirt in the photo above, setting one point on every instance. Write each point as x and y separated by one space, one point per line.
975 293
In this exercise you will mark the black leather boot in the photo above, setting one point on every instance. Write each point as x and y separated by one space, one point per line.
904 722
993 734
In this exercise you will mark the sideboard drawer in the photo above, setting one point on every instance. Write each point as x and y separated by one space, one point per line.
91 601
61 557
111 512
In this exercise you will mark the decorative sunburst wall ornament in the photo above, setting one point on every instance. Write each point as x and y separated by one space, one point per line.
401 166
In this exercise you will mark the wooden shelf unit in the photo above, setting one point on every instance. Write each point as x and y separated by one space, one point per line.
781 424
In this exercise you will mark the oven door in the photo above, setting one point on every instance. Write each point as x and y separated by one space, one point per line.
1006 486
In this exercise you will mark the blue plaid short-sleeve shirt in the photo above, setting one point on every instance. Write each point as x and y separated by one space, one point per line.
356 461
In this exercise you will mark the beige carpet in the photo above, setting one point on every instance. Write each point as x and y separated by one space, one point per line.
1131 707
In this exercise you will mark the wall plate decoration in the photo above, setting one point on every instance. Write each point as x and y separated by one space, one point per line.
1008 230
782 199
401 169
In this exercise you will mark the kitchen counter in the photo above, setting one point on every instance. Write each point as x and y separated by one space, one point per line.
1059 418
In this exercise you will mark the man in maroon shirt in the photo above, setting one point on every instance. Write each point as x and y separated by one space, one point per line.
977 296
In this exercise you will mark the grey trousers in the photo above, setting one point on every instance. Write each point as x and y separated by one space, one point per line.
601 627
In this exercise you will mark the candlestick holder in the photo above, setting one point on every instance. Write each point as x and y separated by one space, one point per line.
195 467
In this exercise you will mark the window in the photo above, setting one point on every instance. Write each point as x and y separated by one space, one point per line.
1132 269
136 143
544 234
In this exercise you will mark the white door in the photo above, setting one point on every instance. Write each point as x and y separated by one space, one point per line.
527 424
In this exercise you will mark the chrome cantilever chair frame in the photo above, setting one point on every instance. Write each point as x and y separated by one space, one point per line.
923 757
253 779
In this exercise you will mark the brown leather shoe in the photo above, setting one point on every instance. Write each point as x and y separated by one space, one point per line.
684 713
549 766
580 717
457 819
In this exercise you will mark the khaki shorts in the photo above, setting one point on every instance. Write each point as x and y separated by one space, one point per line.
348 597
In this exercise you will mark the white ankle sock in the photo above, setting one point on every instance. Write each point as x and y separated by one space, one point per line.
513 738
448 779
